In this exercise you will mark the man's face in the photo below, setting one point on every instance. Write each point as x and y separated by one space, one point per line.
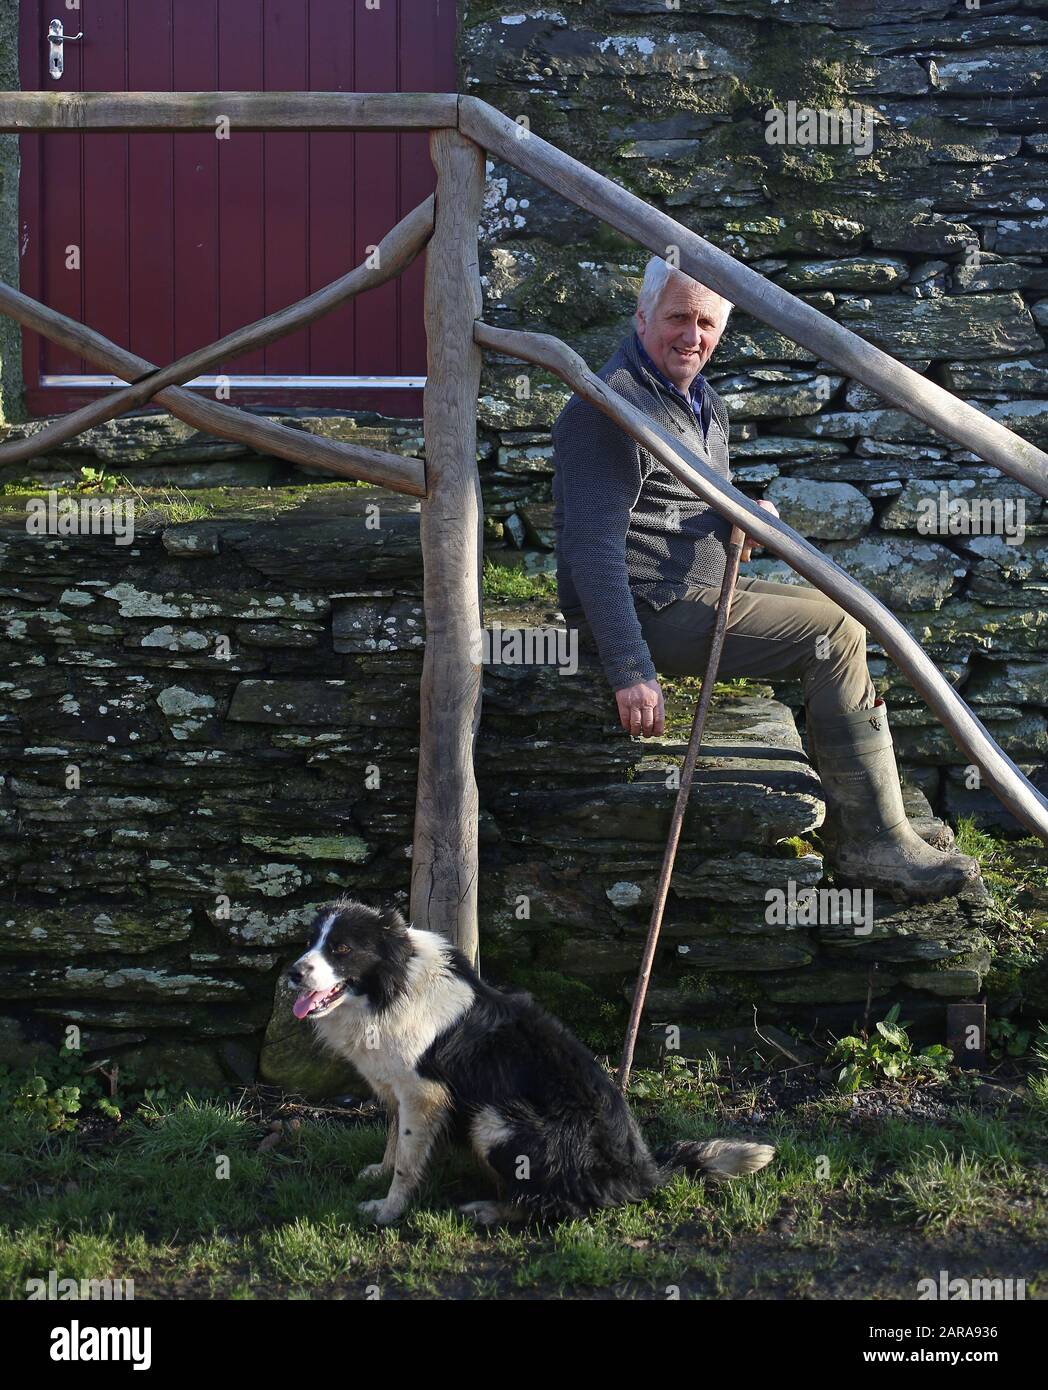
682 331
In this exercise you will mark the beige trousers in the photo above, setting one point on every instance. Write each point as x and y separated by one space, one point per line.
778 631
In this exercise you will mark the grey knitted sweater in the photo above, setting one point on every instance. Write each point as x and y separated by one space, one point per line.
625 528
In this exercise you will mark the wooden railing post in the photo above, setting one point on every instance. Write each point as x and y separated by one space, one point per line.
444 854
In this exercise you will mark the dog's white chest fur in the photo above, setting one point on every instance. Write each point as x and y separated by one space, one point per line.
385 1048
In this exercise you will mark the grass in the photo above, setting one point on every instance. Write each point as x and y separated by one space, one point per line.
171 505
155 506
509 585
1016 876
179 1197
947 1189
1011 870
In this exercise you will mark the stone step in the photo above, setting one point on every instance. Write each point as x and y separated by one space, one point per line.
579 818
554 735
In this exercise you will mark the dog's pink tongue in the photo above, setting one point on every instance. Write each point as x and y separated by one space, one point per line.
306 1003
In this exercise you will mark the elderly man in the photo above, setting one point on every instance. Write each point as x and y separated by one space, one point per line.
640 560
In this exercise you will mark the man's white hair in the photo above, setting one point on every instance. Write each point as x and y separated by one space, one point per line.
657 275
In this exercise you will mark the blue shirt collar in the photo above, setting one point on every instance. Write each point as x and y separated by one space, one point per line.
697 391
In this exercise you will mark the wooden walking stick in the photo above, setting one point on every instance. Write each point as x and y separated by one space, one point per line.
720 627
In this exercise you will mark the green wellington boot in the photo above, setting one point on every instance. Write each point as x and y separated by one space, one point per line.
869 840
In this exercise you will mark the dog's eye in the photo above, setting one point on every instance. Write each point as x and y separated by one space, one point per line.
342 949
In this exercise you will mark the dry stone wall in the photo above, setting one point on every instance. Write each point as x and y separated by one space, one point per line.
211 731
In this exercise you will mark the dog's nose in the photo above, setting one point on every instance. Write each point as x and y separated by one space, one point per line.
294 975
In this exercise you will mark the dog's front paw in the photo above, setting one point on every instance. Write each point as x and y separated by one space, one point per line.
378 1211
373 1170
485 1213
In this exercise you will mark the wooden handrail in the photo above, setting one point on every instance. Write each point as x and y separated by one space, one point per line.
894 382
397 249
1001 775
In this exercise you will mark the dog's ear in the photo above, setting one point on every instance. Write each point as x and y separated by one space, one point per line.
393 920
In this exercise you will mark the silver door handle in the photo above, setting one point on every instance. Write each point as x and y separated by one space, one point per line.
56 39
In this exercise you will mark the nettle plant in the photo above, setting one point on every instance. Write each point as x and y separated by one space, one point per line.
56 1109
97 480
59 1091
1007 1039
887 1055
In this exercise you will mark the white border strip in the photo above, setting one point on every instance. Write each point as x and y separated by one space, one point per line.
274 383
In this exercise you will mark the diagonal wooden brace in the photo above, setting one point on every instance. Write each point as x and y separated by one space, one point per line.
397 249
310 450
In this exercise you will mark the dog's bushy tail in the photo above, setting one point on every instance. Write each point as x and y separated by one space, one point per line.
715 1158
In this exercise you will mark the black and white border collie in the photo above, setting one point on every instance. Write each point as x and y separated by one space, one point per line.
449 1055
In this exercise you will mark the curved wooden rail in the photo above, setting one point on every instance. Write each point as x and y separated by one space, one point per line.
1000 774
895 383
397 249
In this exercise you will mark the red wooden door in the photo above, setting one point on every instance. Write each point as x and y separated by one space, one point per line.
167 242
